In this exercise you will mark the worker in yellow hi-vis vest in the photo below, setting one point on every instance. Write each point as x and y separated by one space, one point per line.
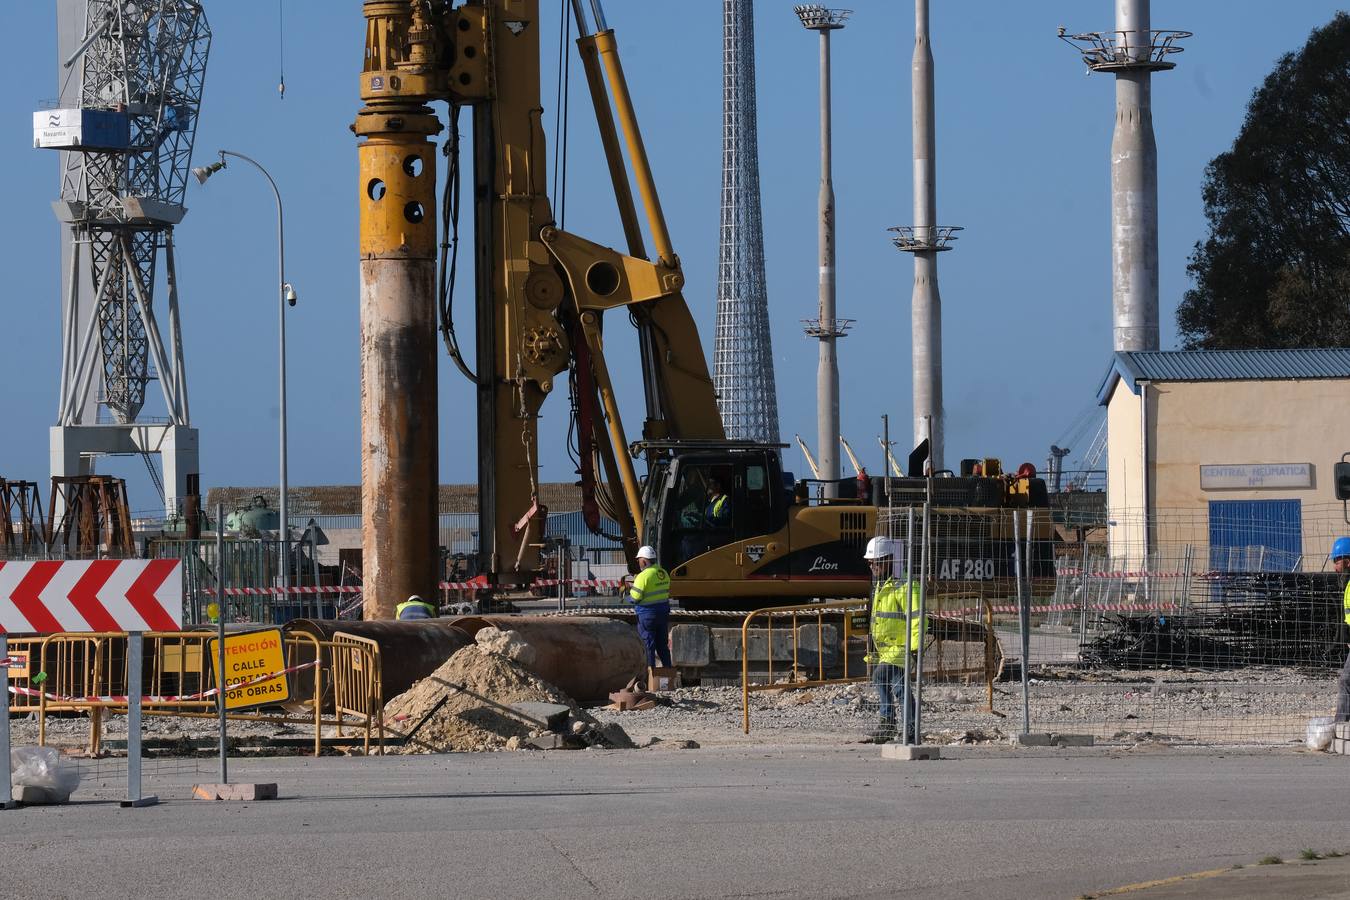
1340 559
650 594
897 630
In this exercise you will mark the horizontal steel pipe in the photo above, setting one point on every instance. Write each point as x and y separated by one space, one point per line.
586 658
409 651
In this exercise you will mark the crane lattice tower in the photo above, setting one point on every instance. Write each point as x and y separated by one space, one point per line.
126 138
743 353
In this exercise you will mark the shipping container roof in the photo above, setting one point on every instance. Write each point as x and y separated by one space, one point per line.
1223 365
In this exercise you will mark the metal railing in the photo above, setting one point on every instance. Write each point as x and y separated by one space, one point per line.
334 684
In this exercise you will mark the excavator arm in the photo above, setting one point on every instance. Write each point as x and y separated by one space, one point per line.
540 292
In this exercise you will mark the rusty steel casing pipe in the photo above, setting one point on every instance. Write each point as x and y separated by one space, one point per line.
399 475
584 657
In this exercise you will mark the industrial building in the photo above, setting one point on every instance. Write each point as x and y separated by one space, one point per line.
1228 452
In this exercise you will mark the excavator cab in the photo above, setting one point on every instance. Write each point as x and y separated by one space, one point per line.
724 520
705 501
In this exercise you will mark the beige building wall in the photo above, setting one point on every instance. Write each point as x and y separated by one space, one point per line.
1223 423
1124 478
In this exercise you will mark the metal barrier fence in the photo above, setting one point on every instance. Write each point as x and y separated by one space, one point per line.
1137 629
815 651
335 685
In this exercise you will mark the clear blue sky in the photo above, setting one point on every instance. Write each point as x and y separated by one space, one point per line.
1023 141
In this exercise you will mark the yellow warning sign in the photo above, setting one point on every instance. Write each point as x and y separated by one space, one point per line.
249 657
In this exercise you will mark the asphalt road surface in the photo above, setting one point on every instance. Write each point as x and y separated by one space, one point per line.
771 821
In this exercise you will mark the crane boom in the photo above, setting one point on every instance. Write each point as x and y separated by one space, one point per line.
810 460
852 458
890 458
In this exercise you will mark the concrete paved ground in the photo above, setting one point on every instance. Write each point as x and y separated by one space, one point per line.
771 821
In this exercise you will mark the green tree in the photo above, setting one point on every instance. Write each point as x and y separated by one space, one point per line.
1275 269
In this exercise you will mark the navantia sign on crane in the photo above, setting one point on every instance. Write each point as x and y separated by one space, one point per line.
48 596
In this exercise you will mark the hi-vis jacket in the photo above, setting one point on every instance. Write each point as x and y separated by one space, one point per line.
893 605
651 586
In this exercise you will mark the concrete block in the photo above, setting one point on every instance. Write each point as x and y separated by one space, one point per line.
810 640
1073 740
1035 739
1337 746
29 795
910 751
726 645
691 646
234 791
548 742
1342 730
552 716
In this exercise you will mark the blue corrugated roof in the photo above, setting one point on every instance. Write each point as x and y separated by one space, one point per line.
1224 365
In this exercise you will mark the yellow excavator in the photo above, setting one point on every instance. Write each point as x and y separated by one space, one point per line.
540 298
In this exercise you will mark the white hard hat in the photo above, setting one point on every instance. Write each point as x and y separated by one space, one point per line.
415 598
645 552
879 548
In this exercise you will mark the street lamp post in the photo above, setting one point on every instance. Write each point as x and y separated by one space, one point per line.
286 297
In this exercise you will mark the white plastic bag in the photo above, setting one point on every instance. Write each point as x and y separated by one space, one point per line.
52 777
1320 731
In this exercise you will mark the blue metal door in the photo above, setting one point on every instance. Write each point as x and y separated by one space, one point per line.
1255 535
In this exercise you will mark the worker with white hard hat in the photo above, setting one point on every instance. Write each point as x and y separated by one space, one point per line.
897 630
414 608
650 594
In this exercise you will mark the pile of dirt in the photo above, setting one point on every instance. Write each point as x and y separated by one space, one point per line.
466 705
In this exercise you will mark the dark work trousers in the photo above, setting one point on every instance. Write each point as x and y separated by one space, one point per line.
1343 699
653 623
890 682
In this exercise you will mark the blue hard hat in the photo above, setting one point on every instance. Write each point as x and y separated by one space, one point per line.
1340 548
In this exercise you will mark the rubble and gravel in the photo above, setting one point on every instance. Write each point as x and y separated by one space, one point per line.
466 705
1128 707
1142 709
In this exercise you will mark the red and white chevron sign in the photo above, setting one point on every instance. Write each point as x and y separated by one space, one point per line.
91 595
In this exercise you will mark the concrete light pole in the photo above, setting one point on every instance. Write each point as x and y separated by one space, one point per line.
826 327
1133 52
925 239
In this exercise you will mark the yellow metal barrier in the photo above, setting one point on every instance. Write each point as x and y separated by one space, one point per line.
848 609
946 654
88 672
357 689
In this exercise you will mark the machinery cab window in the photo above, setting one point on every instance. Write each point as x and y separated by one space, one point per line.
711 502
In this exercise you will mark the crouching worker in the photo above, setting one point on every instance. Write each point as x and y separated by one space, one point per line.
897 630
650 594
414 608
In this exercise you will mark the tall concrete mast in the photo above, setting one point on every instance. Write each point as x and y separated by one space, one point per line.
925 239
825 327
1133 52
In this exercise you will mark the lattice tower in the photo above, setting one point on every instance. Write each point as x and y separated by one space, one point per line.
145 58
743 353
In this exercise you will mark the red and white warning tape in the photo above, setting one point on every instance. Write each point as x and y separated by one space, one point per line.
155 698
1062 607
1065 572
444 585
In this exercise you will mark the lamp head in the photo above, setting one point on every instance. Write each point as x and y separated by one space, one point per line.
201 173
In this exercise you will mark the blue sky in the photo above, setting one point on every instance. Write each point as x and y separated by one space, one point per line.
1023 141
